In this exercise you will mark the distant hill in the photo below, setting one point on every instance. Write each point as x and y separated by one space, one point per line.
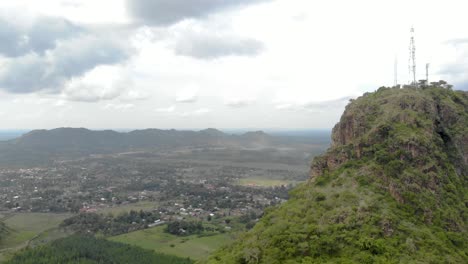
39 146
10 134
393 188
70 139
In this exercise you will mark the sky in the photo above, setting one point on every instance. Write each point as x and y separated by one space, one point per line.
193 64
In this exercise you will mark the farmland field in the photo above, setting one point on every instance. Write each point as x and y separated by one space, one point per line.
192 246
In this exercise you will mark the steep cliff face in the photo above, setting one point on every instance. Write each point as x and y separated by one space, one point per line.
415 136
431 114
393 188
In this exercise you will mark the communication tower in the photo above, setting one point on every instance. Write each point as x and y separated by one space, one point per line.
427 73
395 72
412 59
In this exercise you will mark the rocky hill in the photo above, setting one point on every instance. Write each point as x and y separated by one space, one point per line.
392 188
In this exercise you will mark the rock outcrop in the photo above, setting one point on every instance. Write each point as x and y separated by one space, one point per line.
369 120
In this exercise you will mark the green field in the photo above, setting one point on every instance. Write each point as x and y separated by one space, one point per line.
264 182
39 228
156 239
24 227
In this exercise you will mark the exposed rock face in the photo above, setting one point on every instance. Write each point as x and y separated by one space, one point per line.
392 188
405 131
368 121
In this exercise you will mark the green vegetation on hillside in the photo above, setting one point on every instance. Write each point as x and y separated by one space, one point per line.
83 249
392 188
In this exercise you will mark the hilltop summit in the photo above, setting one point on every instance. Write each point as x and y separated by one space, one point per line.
392 188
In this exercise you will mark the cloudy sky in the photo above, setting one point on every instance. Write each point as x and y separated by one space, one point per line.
214 63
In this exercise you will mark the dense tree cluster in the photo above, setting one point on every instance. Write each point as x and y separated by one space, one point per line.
89 250
110 225
184 228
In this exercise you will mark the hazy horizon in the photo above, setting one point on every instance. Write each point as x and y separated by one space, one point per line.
7 134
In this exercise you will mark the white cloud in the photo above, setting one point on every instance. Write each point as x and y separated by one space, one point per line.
60 103
79 11
188 94
166 12
314 106
169 109
286 107
54 52
239 102
112 106
197 112
213 45
202 111
102 83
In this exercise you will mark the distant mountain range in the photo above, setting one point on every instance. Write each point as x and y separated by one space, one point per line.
42 145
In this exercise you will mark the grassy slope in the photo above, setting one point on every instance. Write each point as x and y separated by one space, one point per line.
23 227
191 246
392 189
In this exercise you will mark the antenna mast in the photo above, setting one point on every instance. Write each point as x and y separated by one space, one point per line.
427 73
395 69
412 59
